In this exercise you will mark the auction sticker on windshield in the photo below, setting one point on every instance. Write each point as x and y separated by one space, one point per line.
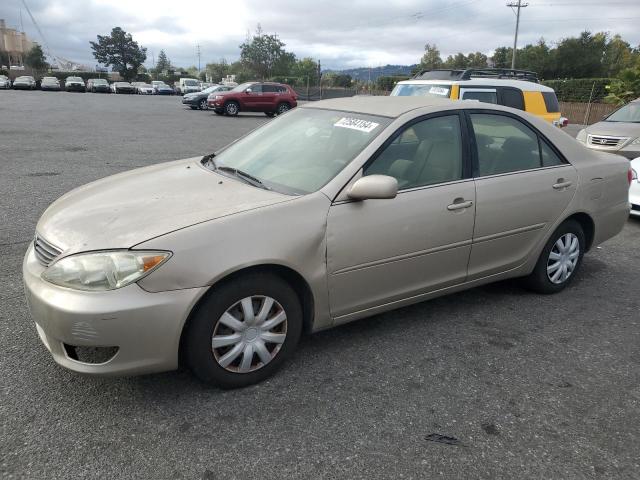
356 124
439 91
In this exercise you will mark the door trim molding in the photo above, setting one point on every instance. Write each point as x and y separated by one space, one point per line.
509 233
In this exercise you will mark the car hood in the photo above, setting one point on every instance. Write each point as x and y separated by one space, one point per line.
617 129
131 207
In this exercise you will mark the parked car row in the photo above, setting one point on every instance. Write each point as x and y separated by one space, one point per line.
93 85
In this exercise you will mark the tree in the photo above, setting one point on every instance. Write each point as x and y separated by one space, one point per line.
581 57
218 71
501 57
35 59
618 55
4 59
120 51
457 61
306 69
625 87
264 55
431 58
163 65
477 60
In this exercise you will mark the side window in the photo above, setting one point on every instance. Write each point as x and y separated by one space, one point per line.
256 88
504 144
281 89
551 102
428 152
269 89
549 158
512 97
486 95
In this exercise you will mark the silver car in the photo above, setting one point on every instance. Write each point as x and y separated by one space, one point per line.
617 133
335 211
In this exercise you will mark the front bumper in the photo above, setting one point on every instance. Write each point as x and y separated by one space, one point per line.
194 102
145 327
22 86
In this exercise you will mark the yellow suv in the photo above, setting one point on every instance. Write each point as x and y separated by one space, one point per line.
513 88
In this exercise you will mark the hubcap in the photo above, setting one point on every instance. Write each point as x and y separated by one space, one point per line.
203 104
231 109
249 334
563 258
283 108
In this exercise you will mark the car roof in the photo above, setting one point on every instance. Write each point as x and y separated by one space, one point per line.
389 106
488 82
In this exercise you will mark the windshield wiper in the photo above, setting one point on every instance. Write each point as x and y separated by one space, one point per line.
248 178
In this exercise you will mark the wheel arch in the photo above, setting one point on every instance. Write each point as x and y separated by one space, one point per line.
289 275
588 227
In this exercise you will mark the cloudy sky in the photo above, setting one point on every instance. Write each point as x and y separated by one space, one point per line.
340 33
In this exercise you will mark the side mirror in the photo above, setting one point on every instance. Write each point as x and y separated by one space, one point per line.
374 187
248 90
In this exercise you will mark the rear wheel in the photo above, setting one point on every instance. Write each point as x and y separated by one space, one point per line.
243 331
282 108
559 260
231 108
203 104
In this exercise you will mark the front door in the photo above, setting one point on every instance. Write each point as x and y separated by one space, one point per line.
382 251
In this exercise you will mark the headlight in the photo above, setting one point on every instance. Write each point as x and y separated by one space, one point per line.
582 136
219 97
107 270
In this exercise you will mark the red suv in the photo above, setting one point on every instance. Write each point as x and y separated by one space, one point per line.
270 98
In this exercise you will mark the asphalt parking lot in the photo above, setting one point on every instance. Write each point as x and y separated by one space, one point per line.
492 383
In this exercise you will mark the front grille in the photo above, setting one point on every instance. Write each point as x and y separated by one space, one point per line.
606 141
45 252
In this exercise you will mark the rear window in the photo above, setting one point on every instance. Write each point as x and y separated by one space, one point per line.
551 102
421 90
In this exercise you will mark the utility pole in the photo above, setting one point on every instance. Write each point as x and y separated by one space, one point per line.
198 47
518 6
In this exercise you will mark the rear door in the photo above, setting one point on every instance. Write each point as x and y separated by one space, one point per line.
523 184
269 97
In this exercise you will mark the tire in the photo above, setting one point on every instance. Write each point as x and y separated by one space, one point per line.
209 364
282 108
543 281
203 105
270 114
231 108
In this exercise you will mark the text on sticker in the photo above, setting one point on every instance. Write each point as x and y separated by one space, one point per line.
439 91
356 124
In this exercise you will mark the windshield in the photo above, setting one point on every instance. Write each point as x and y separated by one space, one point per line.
629 113
49 79
74 79
190 83
215 88
23 78
421 90
100 81
301 151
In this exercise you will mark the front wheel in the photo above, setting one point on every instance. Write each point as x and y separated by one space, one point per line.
231 108
203 104
559 260
243 331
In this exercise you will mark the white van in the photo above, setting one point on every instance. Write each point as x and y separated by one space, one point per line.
187 85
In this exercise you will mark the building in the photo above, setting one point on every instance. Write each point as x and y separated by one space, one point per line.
15 43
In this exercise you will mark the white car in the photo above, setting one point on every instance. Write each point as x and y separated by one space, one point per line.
144 89
5 83
634 188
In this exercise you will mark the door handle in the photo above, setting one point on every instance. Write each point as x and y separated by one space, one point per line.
561 184
459 205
